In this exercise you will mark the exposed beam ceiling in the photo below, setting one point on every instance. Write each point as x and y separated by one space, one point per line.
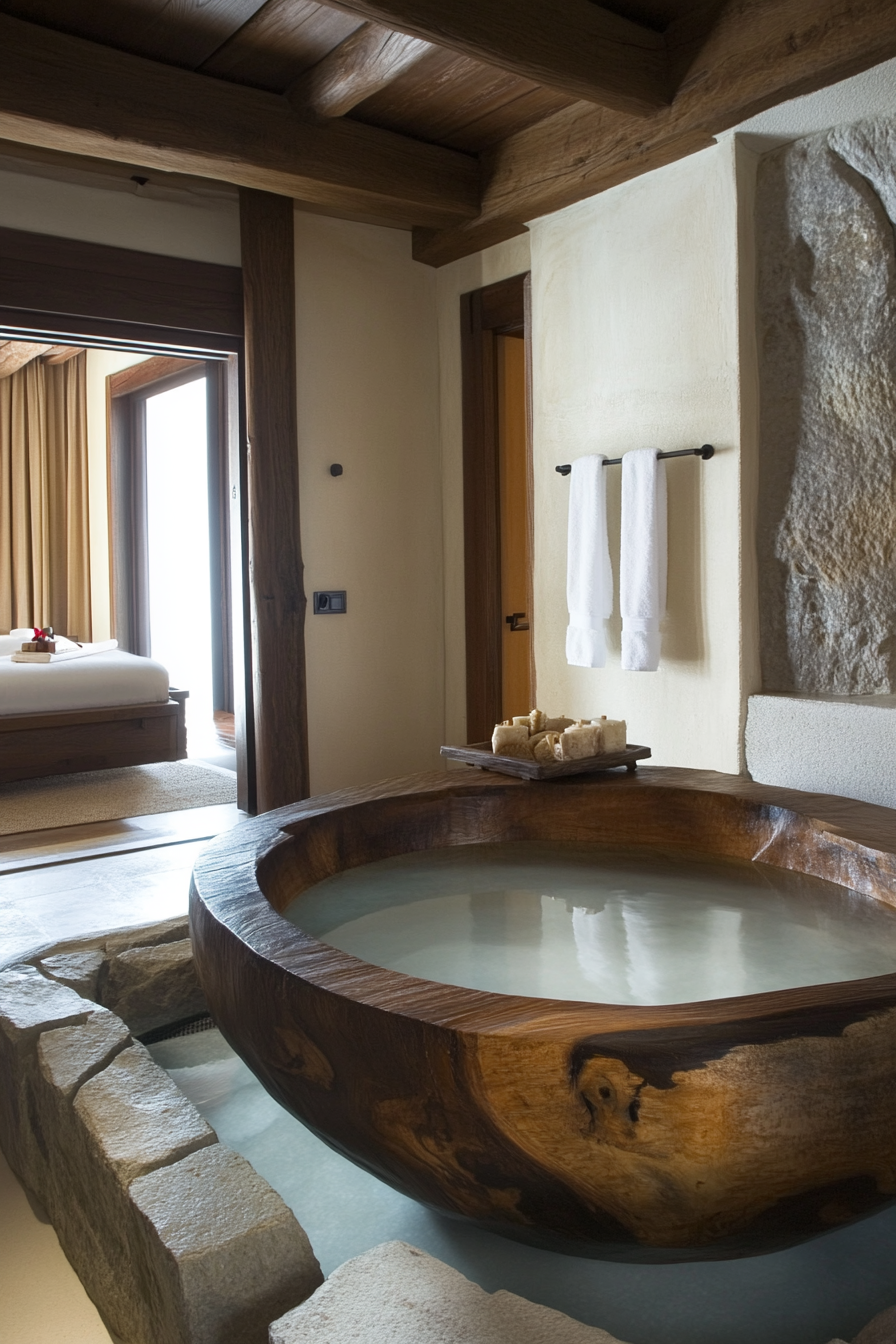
370 58
14 355
758 53
64 93
570 45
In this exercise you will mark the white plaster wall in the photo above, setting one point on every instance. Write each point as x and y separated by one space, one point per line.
485 268
172 223
871 94
636 344
368 396
100 363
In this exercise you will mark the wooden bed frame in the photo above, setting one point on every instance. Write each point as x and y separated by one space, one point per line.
67 742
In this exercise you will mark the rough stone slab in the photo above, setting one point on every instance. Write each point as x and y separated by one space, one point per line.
226 1253
68 1056
148 935
880 1330
399 1294
80 971
826 207
30 1004
150 986
137 1118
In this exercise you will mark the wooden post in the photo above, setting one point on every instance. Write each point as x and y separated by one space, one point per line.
277 595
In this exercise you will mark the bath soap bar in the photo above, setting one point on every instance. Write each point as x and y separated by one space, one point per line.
543 749
559 724
612 733
511 739
538 721
577 744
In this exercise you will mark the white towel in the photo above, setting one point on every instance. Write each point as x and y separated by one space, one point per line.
589 577
642 561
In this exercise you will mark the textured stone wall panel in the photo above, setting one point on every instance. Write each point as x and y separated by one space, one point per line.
827 313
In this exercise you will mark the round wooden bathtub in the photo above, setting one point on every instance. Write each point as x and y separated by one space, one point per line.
691 1131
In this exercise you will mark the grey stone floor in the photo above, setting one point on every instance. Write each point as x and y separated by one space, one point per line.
826 1288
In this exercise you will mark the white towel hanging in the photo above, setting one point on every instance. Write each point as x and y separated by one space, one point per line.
643 559
589 576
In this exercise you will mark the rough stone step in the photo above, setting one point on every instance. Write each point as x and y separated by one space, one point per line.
397 1294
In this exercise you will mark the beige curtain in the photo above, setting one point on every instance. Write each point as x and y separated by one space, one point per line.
44 528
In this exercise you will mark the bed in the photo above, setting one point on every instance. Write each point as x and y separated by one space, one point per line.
91 712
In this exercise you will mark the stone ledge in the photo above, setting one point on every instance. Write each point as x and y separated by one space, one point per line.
176 1239
827 744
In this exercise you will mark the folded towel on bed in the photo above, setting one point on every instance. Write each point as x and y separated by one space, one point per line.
67 654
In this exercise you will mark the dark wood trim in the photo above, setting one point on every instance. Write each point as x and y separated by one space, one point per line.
67 742
485 313
26 324
233 383
219 536
62 275
530 478
275 552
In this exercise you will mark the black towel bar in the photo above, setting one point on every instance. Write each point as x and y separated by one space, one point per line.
706 452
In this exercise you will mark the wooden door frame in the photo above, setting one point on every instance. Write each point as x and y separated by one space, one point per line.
498 309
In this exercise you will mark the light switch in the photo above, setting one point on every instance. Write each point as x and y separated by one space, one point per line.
331 603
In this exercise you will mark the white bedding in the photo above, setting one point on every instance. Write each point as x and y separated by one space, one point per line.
113 678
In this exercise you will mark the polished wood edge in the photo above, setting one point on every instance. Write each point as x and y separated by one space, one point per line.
17 723
225 889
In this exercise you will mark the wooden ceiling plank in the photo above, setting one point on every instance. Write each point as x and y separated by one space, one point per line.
368 60
281 40
758 54
185 34
63 93
573 46
454 101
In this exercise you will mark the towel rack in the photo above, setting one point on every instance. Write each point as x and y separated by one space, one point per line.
706 452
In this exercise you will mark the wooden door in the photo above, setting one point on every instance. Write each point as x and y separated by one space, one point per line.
495 347
516 637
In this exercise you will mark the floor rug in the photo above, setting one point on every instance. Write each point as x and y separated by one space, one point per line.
108 795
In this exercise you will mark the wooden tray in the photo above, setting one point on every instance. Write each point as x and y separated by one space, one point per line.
481 755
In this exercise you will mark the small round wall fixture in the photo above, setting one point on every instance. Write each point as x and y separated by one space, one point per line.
336 469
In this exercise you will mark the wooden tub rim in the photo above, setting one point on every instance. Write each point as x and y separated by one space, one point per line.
240 906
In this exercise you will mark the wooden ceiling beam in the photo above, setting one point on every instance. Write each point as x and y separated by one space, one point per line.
14 355
61 354
367 61
573 46
759 53
65 93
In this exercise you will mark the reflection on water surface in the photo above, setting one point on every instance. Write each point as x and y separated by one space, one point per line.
568 921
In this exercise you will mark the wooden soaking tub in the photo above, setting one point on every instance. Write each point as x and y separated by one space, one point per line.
711 1129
